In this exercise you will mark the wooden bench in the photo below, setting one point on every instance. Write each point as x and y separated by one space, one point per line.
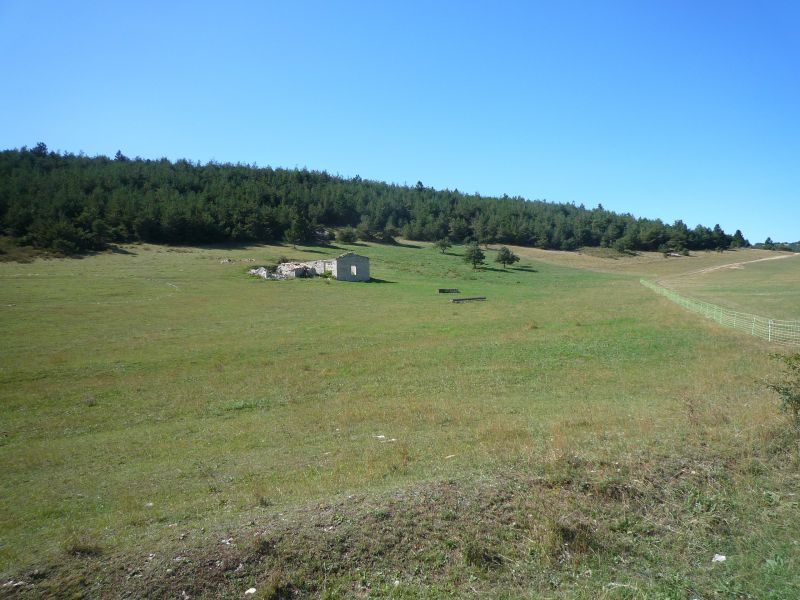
471 299
449 291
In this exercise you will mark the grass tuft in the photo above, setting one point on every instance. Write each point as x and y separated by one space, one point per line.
83 545
481 555
275 587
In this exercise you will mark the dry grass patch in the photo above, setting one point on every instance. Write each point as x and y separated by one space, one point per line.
640 264
570 527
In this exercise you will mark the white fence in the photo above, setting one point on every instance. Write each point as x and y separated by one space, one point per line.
772 330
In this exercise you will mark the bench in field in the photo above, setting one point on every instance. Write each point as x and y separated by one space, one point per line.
449 291
472 299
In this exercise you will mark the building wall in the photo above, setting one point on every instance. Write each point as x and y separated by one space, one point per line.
348 267
344 266
291 270
321 266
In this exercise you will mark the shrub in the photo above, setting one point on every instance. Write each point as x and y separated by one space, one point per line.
444 244
346 235
364 233
788 389
389 233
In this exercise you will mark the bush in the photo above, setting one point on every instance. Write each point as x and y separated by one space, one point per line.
389 233
788 389
364 233
444 244
346 235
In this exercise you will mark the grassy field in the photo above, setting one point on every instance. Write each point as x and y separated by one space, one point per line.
156 401
767 287
645 264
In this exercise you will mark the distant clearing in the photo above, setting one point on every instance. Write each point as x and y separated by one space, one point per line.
643 264
766 287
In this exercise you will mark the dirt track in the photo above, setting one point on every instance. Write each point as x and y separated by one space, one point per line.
735 265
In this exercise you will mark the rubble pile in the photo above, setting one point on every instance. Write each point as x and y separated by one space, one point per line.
264 273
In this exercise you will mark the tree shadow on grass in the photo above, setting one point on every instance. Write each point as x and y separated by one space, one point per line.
120 250
509 270
112 248
495 269
227 245
361 244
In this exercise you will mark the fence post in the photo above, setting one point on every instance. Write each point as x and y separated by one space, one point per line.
786 332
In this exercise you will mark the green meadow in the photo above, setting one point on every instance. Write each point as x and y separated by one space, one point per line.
157 399
770 288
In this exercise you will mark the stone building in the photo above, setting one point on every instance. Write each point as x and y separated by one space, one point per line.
349 267
346 267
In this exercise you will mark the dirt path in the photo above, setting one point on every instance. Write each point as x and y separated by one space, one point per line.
735 265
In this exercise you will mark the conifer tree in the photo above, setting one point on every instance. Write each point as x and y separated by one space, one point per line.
474 256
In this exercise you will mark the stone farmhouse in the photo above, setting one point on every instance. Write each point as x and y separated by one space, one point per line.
346 267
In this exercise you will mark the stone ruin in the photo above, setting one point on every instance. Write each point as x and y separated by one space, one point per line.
347 267
263 272
291 270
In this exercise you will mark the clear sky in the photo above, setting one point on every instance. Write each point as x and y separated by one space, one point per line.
671 109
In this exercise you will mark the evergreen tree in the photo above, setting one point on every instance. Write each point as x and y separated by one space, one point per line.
506 257
443 244
738 241
300 230
98 200
474 256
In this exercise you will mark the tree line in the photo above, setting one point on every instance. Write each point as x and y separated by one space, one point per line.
73 203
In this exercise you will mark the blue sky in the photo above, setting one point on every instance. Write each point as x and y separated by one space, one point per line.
676 110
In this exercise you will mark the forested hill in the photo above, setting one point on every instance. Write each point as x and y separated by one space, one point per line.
72 203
